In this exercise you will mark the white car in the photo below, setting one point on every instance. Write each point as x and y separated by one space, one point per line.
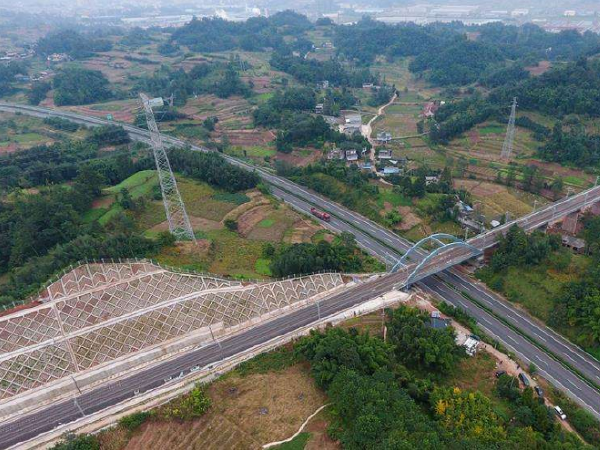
560 413
194 369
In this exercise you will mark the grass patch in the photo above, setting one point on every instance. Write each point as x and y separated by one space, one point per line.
139 184
274 361
576 181
27 137
91 215
393 198
266 223
110 214
492 129
298 443
236 198
262 266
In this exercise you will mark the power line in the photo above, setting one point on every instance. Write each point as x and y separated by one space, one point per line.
179 222
507 146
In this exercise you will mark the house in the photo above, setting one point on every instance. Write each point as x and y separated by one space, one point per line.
495 224
324 84
351 155
383 137
471 345
577 245
58 57
367 85
432 180
328 45
384 154
335 154
319 108
390 170
437 322
464 210
430 109
366 165
352 123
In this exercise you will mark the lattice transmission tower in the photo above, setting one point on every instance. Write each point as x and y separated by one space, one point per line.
507 146
179 222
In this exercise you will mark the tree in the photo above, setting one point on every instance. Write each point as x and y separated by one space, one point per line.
467 414
336 349
420 346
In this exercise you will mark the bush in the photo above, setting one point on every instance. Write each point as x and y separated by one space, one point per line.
72 441
231 224
133 421
190 406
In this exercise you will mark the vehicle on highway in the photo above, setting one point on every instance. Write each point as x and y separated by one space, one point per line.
560 413
194 369
500 373
166 380
136 392
320 214
539 391
524 379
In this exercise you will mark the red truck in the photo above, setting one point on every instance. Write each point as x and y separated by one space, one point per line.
320 214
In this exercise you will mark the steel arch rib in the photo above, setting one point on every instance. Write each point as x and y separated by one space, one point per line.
434 237
437 251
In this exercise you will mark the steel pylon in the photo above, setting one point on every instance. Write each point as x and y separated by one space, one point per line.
507 146
179 222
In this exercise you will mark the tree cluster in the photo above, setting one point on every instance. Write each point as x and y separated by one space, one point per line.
255 34
74 44
518 249
307 258
211 168
220 79
79 86
312 71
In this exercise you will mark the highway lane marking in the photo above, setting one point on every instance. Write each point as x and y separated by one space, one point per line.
508 336
574 385
538 327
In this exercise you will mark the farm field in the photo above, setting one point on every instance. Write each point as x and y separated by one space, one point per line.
237 253
493 200
484 142
23 132
399 119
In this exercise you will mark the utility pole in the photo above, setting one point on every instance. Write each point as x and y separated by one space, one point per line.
507 146
179 222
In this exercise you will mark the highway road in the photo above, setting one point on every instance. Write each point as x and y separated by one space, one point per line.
384 244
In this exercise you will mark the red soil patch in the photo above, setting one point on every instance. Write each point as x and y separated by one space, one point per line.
20 308
474 137
248 220
319 439
261 84
542 67
125 115
10 148
296 159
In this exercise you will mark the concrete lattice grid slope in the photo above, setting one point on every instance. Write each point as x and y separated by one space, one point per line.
103 312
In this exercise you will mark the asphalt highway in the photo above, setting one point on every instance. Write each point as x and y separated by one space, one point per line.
66 411
377 241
